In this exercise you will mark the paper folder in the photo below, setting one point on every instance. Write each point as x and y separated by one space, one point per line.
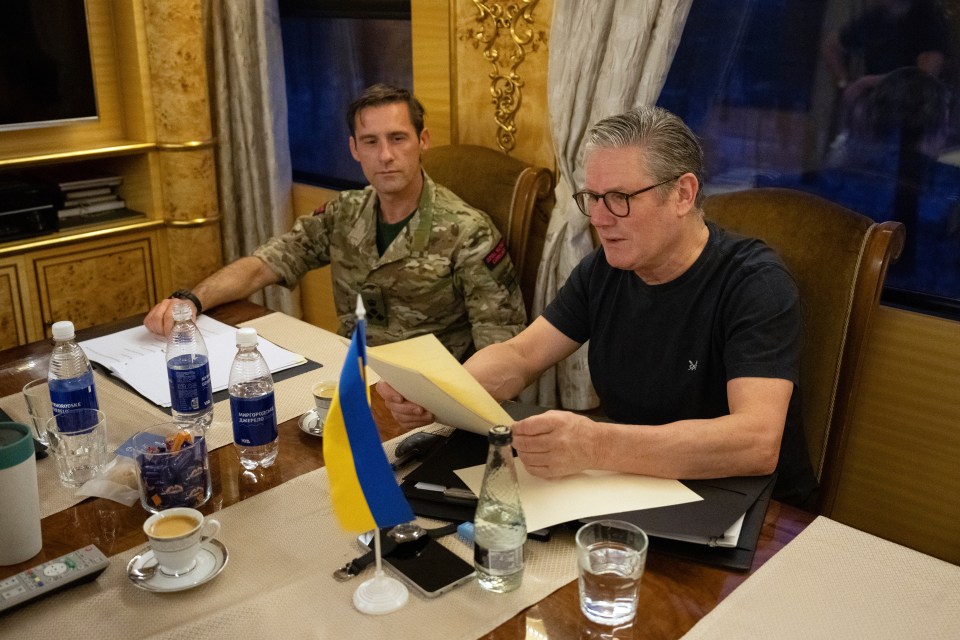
725 501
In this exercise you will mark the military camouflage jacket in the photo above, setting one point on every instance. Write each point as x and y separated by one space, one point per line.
446 273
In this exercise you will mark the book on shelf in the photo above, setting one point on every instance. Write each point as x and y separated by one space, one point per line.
87 209
77 182
70 203
85 194
69 178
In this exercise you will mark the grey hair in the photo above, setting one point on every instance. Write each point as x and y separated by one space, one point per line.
668 145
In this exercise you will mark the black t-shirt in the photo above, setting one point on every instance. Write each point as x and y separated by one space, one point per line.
662 353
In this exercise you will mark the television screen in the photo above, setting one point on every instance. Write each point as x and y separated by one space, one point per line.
46 76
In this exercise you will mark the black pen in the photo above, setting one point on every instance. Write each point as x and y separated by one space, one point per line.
452 494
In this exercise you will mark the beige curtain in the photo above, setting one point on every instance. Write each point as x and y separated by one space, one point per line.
248 95
606 56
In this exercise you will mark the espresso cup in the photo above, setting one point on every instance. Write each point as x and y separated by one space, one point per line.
323 395
176 535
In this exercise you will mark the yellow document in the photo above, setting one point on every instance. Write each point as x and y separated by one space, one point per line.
424 372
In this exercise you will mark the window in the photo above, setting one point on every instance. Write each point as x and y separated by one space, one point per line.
770 112
332 51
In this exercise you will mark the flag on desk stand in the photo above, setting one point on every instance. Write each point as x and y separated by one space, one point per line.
363 488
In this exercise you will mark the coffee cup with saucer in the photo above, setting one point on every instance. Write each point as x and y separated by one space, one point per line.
183 552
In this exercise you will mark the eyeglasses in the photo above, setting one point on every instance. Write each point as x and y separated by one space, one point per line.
617 202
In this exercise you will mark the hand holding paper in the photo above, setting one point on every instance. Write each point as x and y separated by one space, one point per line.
423 371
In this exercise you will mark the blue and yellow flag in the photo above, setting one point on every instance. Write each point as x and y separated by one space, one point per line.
362 486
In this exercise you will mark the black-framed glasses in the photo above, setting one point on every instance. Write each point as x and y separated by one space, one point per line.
617 202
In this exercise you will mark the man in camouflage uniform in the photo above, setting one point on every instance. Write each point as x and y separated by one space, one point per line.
423 260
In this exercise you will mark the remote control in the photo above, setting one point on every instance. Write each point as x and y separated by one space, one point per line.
76 567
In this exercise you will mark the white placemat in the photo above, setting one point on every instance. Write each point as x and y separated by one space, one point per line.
833 581
283 546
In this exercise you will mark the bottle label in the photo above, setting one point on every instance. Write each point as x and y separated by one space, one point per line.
254 420
189 377
73 393
496 562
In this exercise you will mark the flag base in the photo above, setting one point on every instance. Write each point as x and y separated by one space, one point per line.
380 594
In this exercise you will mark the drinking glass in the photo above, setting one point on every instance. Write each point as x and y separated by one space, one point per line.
78 439
36 394
611 555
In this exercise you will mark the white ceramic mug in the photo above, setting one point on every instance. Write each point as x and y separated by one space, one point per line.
20 537
175 537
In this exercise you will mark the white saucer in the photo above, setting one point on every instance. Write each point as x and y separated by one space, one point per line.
210 562
311 424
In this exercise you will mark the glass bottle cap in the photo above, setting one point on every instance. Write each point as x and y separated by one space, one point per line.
500 435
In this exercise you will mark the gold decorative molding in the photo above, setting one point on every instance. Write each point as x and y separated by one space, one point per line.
507 33
193 222
189 145
106 151
78 235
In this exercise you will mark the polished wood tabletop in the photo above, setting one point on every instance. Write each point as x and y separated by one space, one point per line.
674 594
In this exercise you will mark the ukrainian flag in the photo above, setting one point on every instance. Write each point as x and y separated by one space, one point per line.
362 486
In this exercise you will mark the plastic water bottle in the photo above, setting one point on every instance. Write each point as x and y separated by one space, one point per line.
252 404
188 369
70 375
500 527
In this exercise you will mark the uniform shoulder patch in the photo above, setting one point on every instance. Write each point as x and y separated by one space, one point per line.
496 255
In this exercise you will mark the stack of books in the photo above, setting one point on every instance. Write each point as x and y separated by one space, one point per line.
89 199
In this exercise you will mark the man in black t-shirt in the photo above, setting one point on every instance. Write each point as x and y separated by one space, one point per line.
694 332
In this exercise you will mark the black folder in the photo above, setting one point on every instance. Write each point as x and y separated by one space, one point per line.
724 501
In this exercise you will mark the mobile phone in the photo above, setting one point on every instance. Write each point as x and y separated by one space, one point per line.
424 564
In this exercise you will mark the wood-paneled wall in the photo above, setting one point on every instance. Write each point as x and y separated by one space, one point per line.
901 472
316 289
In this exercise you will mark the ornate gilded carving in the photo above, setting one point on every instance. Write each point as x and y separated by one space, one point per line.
507 33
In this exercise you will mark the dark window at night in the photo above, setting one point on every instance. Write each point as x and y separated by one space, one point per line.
332 51
770 112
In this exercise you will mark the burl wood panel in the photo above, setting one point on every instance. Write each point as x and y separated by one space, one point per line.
189 184
13 329
97 285
192 253
178 72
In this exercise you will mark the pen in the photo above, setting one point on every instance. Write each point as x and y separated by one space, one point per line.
453 494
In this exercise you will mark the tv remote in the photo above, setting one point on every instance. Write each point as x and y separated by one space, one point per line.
76 567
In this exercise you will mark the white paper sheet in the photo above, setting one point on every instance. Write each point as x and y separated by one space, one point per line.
136 356
591 493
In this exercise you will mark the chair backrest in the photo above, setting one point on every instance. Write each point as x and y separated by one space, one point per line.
839 259
517 196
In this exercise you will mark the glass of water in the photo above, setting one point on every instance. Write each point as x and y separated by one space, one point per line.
611 555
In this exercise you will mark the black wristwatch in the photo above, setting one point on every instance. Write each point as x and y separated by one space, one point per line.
184 294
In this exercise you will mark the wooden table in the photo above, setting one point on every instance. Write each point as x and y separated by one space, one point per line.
675 593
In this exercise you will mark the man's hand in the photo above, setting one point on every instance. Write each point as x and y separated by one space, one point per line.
556 443
408 414
159 320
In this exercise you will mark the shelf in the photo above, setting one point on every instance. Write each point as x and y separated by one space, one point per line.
120 148
78 233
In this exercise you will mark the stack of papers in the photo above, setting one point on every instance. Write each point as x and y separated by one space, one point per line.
136 356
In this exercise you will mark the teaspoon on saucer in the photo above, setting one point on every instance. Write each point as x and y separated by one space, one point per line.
143 573
311 423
